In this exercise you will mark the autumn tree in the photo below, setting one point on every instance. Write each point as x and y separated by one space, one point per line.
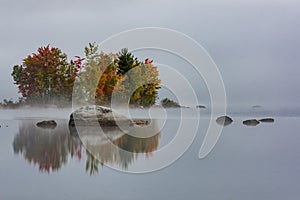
104 74
46 76
98 78
140 77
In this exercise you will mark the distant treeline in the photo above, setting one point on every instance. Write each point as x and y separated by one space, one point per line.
8 104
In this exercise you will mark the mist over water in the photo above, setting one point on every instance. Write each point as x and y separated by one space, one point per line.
156 113
35 113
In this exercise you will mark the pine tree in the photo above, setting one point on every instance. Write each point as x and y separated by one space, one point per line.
126 61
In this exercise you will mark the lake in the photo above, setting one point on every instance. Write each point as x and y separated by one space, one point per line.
261 162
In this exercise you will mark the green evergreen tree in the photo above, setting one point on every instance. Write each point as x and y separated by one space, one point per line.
126 61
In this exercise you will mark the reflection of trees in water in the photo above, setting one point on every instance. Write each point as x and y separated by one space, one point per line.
50 149
131 145
91 164
123 150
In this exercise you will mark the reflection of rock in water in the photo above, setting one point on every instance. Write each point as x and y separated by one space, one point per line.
49 149
111 145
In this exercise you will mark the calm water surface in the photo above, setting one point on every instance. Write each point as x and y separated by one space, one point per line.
261 162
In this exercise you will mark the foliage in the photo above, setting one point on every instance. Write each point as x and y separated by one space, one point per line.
126 61
45 76
105 74
98 77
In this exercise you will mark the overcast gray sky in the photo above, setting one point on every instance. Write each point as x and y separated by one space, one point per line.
255 44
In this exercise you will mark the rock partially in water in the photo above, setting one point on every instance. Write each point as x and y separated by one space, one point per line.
267 120
224 120
251 122
103 116
200 106
50 124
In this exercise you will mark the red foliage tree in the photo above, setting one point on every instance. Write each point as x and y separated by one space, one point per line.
46 76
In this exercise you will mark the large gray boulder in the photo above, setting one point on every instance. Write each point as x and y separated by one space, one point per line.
103 116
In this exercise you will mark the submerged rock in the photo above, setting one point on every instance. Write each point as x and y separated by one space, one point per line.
256 106
103 116
267 120
51 124
251 122
224 120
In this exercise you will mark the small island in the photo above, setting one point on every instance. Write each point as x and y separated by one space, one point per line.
47 77
168 103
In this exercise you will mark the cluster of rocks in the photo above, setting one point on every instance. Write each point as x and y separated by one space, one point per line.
254 122
226 120
104 116
93 116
